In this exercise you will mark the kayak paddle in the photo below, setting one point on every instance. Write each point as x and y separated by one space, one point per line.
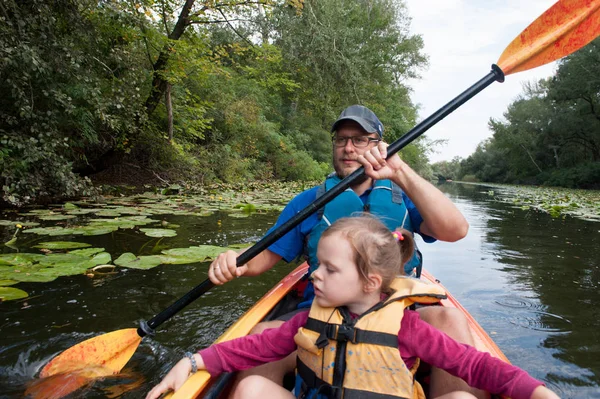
565 27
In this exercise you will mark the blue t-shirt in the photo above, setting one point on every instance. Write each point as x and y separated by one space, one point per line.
291 245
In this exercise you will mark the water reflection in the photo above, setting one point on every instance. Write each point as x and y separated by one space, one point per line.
530 280
538 279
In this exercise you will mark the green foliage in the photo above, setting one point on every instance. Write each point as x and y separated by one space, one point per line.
582 176
445 170
551 134
68 77
34 169
253 100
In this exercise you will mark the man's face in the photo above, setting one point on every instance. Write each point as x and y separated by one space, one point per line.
344 158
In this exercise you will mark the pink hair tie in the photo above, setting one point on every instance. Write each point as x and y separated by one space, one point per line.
398 236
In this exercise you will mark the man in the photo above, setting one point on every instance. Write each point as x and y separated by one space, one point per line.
392 190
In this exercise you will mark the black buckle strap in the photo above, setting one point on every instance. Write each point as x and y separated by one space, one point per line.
346 333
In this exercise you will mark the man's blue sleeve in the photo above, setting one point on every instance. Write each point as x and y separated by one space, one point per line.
415 218
291 245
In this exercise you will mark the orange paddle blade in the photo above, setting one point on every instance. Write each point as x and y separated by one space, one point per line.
109 351
59 385
565 27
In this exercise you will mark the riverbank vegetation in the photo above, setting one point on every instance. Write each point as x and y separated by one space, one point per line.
558 202
550 135
168 91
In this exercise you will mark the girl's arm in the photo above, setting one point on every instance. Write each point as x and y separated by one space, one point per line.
478 369
237 354
253 350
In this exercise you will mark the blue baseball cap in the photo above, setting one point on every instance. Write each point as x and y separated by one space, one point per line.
363 116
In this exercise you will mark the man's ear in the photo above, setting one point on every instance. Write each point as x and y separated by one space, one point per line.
373 283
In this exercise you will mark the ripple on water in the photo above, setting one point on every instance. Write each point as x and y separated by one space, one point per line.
534 315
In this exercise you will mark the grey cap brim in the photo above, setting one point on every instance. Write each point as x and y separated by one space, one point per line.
361 121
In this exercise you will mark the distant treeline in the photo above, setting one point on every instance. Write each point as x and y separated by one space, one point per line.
205 91
551 134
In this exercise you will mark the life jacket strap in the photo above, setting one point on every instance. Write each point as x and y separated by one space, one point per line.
345 333
311 381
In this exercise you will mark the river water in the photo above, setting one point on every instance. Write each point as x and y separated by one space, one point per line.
531 281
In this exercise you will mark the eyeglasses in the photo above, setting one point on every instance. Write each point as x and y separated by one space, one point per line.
357 141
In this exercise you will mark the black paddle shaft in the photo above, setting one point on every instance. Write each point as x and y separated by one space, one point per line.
495 74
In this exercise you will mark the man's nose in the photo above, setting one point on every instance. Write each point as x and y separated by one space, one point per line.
349 147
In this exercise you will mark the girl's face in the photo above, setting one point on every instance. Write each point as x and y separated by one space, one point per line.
336 281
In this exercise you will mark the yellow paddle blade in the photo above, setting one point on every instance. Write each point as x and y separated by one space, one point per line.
109 351
565 27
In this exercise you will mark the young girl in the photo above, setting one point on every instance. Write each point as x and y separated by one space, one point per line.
358 339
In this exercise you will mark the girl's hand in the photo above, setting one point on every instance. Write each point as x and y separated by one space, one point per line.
542 392
174 379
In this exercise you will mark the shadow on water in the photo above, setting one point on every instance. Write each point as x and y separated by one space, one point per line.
530 280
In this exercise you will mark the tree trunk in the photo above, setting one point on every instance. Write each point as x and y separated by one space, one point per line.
169 106
159 85
532 160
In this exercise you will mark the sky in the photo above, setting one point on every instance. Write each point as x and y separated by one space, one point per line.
463 38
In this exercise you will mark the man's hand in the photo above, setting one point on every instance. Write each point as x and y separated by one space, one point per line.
375 164
224 269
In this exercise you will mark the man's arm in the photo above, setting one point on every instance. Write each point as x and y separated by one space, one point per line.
441 219
288 247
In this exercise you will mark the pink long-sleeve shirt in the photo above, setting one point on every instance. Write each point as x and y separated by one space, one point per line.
416 339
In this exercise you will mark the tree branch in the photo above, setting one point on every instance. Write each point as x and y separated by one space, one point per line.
216 21
233 29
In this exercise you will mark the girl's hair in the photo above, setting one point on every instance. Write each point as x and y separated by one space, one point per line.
375 247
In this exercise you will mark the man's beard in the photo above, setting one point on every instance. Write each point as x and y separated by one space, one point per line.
342 175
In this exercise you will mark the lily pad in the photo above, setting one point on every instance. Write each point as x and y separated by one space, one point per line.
16 222
80 211
143 262
10 294
92 230
87 251
44 268
6 283
31 274
57 217
69 206
194 254
8 223
19 259
159 232
62 245
50 231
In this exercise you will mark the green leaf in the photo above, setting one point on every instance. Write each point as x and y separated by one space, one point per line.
87 251
194 254
62 245
10 294
143 262
159 232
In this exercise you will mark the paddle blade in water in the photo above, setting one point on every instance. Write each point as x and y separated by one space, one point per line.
110 351
564 28
59 385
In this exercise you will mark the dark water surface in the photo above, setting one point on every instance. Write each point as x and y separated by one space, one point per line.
531 281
